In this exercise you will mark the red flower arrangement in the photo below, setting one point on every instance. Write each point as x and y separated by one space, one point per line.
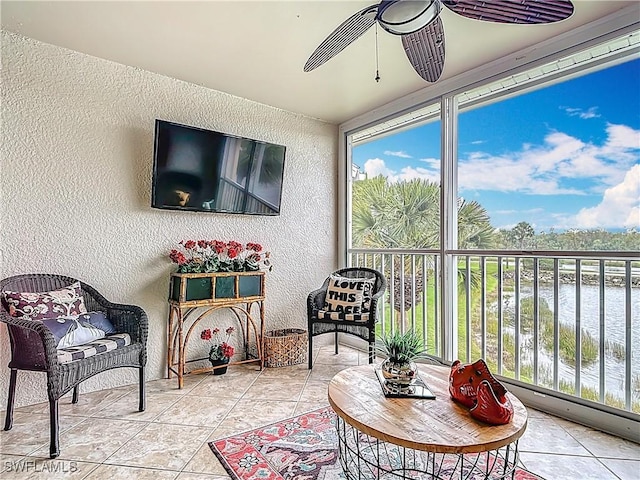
219 350
211 256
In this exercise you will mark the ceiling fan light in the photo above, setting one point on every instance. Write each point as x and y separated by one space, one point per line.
402 17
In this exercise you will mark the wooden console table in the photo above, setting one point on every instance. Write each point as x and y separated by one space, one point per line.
398 438
185 314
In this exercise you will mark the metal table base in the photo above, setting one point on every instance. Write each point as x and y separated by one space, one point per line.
365 458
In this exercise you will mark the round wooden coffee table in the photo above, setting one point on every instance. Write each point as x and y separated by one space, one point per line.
411 438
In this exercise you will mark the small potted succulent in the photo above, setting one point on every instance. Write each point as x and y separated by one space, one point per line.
401 350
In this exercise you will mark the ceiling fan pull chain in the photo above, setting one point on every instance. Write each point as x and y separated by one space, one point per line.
377 74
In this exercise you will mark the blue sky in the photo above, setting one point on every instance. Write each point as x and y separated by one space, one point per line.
562 157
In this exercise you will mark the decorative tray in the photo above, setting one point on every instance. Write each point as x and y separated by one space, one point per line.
418 389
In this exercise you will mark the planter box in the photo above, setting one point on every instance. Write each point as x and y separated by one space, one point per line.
221 287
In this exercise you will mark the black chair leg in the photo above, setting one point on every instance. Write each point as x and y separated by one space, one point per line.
54 449
143 398
371 353
74 398
336 342
310 350
8 423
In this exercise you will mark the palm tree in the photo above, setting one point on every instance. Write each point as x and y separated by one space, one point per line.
406 215
474 226
396 215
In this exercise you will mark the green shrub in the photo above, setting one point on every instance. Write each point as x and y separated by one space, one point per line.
567 342
616 349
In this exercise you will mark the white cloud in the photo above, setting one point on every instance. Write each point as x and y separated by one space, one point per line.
411 173
510 212
620 206
401 154
561 165
434 163
376 166
584 114
478 142
504 174
623 137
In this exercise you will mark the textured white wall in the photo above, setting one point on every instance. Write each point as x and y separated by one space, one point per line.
77 153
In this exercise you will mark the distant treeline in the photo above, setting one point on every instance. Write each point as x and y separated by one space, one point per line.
524 237
406 214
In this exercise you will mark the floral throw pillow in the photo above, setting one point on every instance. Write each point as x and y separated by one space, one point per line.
347 295
40 305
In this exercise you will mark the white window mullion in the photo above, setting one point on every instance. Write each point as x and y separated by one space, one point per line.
449 228
344 199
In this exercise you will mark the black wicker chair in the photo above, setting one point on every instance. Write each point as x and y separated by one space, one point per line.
363 329
33 346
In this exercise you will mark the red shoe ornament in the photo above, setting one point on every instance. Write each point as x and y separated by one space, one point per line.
492 408
473 386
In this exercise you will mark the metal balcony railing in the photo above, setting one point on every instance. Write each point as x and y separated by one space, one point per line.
562 321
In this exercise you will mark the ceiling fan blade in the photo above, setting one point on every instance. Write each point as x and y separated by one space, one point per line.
512 11
425 50
348 31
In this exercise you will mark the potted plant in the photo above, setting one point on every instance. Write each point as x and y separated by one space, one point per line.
220 352
215 270
401 350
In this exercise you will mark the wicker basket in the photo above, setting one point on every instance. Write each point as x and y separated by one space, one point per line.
285 347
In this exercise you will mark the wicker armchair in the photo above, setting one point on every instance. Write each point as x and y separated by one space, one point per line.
33 346
365 329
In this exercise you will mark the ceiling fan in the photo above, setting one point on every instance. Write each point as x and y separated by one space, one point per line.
419 24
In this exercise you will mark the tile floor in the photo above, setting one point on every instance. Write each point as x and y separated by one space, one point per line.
104 437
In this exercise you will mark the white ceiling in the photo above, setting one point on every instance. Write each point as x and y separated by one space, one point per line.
256 50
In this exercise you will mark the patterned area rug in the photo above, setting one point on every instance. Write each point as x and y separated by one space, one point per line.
300 448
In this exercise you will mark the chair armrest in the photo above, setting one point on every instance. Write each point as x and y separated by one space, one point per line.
315 300
33 346
379 293
373 310
374 304
129 319
375 297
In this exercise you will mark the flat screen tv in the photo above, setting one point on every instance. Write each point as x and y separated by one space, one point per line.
206 171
